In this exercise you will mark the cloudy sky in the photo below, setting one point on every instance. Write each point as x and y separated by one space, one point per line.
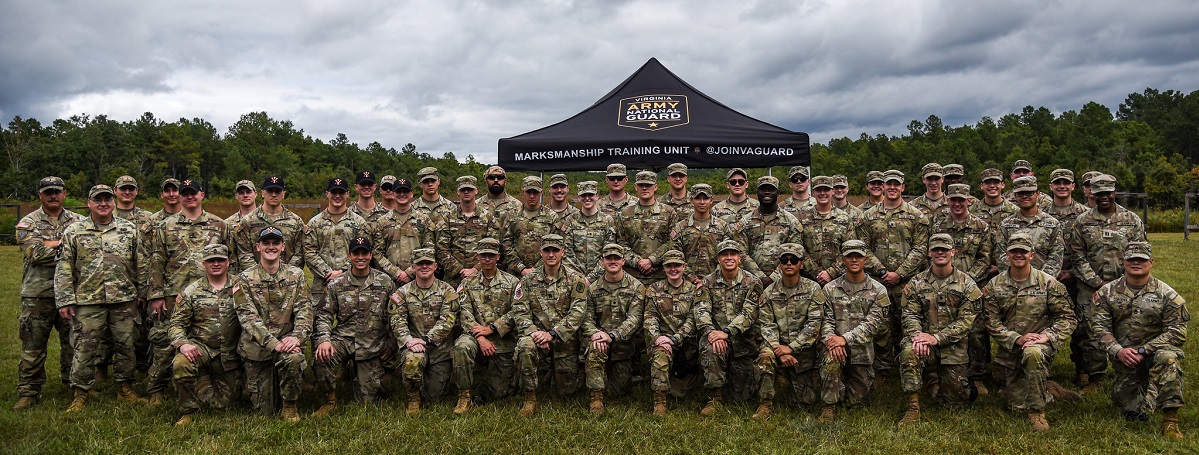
459 75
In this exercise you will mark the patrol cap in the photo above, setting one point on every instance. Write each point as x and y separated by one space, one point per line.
402 184
931 170
673 257
737 170
360 243
337 183
701 188
613 249
423 255
558 179
170 182
100 189
1024 184
124 181
214 251
617 170
467 181
822 181
874 176
941 240
426 173
768 180
953 169
245 184
552 241
1021 164
676 168
1061 174
49 183
487 245
588 187
793 249
531 183
1103 183
1019 241
853 246
496 170
1087 176
959 191
798 170
1138 250
271 231
729 244
189 184
840 180
387 182
647 178
273 182
365 177
893 174
990 174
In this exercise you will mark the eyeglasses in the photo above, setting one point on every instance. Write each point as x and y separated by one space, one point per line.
1025 194
495 177
737 182
798 179
616 178
102 199
789 259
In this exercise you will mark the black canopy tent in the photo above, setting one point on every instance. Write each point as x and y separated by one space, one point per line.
650 120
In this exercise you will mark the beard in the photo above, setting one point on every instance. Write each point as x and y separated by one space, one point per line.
495 190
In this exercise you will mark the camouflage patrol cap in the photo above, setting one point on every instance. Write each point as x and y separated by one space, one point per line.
874 176
1103 183
959 191
798 170
617 170
552 241
1021 164
1024 184
588 187
190 185
822 181
49 183
676 168
931 170
98 190
1087 176
170 182
214 251
1019 241
360 243
840 181
467 181
1061 174
953 169
423 255
647 177
768 180
729 244
124 181
613 249
893 174
673 257
271 231
387 181
495 170
245 184
272 182
337 183
941 240
701 188
990 174
426 173
737 170
1138 250
487 245
793 249
853 246
532 183
558 179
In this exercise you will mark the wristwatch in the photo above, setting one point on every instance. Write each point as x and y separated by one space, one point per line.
882 272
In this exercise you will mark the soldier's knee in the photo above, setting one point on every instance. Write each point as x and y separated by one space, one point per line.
1165 357
182 367
1033 356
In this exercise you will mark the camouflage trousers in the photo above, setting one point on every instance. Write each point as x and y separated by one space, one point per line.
162 353
211 379
368 373
427 371
38 317
803 377
1024 383
610 371
735 370
141 343
1156 383
845 383
886 341
561 361
947 384
678 370
270 382
1085 351
90 325
978 348
501 368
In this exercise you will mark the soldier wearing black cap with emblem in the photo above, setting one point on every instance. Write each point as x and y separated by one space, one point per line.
366 206
271 213
330 233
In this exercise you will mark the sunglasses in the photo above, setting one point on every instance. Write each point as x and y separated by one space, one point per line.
798 179
495 178
789 259
616 179
737 182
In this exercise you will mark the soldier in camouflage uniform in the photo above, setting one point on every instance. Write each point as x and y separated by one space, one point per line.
697 235
549 304
497 200
171 202
932 202
430 202
617 199
271 213
856 309
1097 243
789 319
587 231
874 190
387 193
275 311
204 331
993 207
1029 315
126 189
800 196
352 324
1066 210
523 229
1044 231
366 206
952 174
459 231
841 195
1086 188
329 235
401 232
764 229
643 227
1020 169
973 244
40 235
677 323
99 276
423 315
937 311
175 261
738 204
1064 207
678 198
611 324
488 326
1142 324
246 196
735 294
560 197
824 229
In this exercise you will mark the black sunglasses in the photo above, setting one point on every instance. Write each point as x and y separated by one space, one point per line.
738 182
789 259
798 179
616 179
495 177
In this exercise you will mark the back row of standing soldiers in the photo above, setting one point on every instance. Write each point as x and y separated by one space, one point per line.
682 283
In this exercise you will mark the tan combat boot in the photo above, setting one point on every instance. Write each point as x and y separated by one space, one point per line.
79 402
714 399
125 394
1060 393
413 403
329 406
913 413
827 413
659 404
1091 385
1170 424
184 419
1037 419
765 407
24 403
530 404
597 402
463 402
290 414
982 389
156 399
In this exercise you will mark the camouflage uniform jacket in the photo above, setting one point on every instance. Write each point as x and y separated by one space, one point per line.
271 307
682 206
944 308
498 205
793 206
1097 244
457 235
679 313
396 236
613 207
156 216
176 251
1067 215
585 240
354 309
643 229
37 279
1154 317
370 215
246 235
1038 305
1047 237
698 241
734 303
867 205
792 316
614 308
732 212
204 316
328 241
489 302
139 216
763 234
100 265
856 312
973 244
931 207
522 237
436 210
853 211
897 237
555 305
994 214
822 237
429 314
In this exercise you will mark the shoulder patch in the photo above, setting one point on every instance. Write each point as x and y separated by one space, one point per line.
519 293
580 287
236 287
23 225
395 297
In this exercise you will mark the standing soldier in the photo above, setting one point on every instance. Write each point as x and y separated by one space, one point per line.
204 330
973 245
460 232
401 232
841 196
1044 231
617 199
487 322
1021 169
126 189
800 195
498 201
765 229
1066 210
423 314
789 317
823 229
387 192
40 236
937 311
677 198
677 318
932 202
734 337
698 234
170 200
275 312
271 213
738 203
430 202
247 201
587 231
874 190
99 276
1086 187
351 325
952 174
549 303
611 324
366 206
1141 322
560 196
643 227
1029 315
524 229
330 233
856 310
993 207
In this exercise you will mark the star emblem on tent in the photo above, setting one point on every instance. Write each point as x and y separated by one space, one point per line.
653 125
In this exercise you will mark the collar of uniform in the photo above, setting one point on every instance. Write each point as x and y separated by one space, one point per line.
90 224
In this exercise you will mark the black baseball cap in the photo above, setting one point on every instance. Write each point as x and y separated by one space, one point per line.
365 177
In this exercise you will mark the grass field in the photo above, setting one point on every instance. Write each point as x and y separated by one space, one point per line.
1089 426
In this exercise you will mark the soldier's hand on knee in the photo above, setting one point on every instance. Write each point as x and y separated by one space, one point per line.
781 350
789 360
324 352
838 354
190 351
485 346
720 346
541 339
1129 357
416 345
157 307
599 346
67 312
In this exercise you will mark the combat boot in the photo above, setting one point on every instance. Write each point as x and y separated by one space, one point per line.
913 413
290 414
530 404
79 402
184 419
714 398
1092 385
24 403
413 403
659 404
156 399
827 413
329 406
463 402
1082 379
1170 424
1060 393
126 394
765 407
597 402
981 387
101 374
1037 419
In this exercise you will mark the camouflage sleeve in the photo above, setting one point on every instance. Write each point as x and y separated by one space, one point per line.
522 312
32 248
181 317
1004 336
466 309
251 321
828 324
910 314
379 255
64 272
876 319
311 247
302 313
441 331
809 334
650 324
245 246
632 321
701 314
589 326
1174 322
749 310
443 241
1057 252
512 260
141 268
959 329
918 255
302 246
326 315
398 315
157 258
1101 321
1062 310
1000 256
768 325
1078 250
567 326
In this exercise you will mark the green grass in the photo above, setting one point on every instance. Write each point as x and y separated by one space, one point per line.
563 425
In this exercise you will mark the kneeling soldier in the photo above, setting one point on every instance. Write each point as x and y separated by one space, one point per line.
423 313
856 310
487 322
677 316
789 317
615 306
734 337
204 329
